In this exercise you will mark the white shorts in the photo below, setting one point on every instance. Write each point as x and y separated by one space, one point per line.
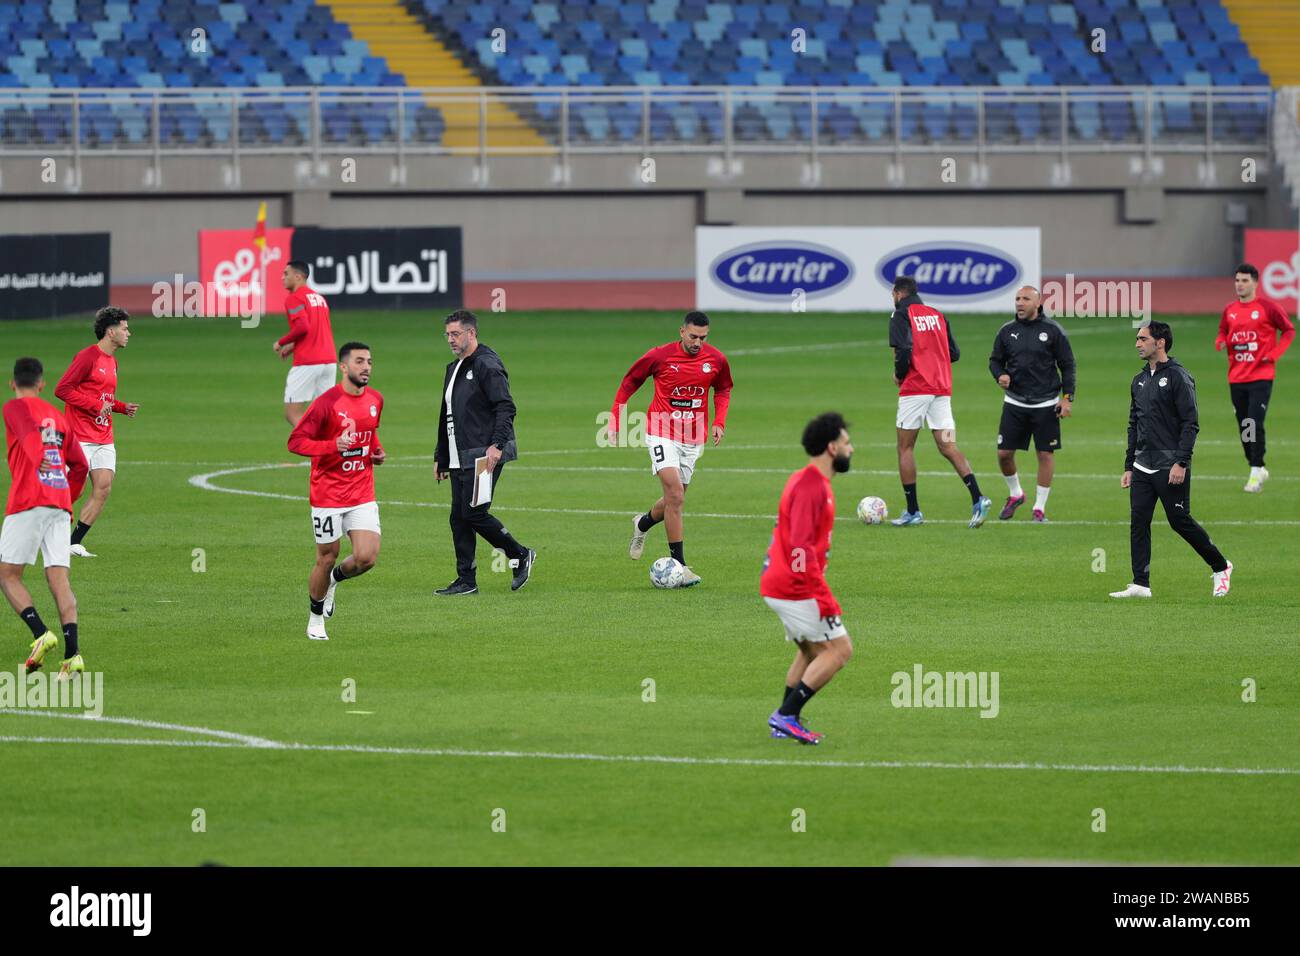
330 524
803 623
934 410
100 456
47 530
306 383
666 453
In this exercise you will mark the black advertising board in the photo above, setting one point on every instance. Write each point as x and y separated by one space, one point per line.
383 268
44 276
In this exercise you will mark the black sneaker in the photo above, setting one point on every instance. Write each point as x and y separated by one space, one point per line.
457 588
523 570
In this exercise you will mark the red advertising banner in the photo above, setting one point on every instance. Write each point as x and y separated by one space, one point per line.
229 263
1276 254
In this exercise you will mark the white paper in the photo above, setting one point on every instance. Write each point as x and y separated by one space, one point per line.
482 482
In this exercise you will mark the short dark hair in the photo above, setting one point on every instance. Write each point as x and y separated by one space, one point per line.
821 431
696 318
300 267
107 317
905 285
1161 330
1249 270
464 316
349 347
28 372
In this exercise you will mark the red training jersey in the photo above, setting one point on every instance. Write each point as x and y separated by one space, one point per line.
923 329
89 382
340 480
795 568
680 408
45 460
1256 334
309 328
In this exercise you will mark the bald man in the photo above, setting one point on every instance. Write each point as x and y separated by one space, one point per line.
1033 364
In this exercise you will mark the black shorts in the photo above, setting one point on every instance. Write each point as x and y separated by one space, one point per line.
1019 423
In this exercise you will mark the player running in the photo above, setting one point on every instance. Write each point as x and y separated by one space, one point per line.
924 351
48 469
793 582
88 391
340 433
678 424
1033 363
310 340
1257 332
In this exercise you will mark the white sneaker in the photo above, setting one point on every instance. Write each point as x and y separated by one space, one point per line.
316 628
637 545
1255 483
329 597
81 552
1222 581
1132 591
689 578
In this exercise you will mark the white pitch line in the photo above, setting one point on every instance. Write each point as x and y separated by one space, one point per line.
245 740
204 482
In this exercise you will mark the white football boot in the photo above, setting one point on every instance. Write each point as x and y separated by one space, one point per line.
1132 591
316 628
1222 581
637 544
80 551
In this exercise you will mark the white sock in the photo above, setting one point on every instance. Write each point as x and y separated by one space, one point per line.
1255 472
1013 485
1040 503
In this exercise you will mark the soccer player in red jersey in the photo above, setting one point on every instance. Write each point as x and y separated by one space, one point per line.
88 391
340 433
48 469
1256 332
677 424
310 340
924 351
793 582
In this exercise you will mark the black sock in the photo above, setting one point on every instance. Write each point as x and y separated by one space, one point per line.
646 522
337 574
675 549
80 532
70 648
973 487
317 607
785 693
795 700
33 620
910 492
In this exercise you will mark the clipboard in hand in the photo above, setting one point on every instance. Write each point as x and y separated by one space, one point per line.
482 482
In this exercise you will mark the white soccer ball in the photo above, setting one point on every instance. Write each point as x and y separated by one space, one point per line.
873 510
666 573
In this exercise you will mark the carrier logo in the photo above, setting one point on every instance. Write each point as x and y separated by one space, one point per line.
770 270
957 270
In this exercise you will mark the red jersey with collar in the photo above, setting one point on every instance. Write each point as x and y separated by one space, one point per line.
679 410
89 382
1256 334
340 480
309 328
795 568
45 459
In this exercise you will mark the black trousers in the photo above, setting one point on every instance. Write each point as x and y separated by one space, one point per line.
467 521
1177 499
1250 402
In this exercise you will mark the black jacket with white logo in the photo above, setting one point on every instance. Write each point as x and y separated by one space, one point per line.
482 410
1036 354
1162 417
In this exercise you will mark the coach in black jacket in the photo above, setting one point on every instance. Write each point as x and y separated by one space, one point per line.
476 420
1162 427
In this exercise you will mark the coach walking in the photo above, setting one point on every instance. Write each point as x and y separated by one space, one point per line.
476 421
1162 427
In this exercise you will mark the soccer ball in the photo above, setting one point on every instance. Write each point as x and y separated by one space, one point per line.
873 510
666 573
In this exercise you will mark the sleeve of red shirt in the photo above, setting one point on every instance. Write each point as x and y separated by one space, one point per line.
78 467
68 389
805 519
722 386
378 444
633 380
1286 331
298 326
1222 340
304 440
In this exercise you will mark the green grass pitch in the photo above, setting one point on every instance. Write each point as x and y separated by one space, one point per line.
542 690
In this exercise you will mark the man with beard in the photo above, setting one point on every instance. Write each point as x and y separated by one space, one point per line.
793 582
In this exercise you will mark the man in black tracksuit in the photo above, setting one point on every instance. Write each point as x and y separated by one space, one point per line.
1162 427
476 421
1033 363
